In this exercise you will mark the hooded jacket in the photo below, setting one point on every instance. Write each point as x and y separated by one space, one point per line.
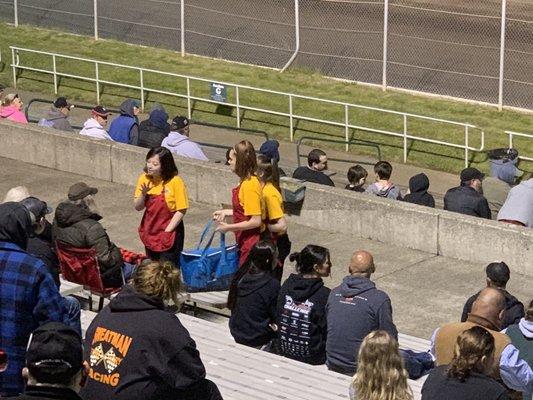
354 309
125 128
301 315
58 119
92 128
418 191
468 201
155 357
13 114
77 226
391 191
182 146
519 204
153 130
514 309
255 309
15 224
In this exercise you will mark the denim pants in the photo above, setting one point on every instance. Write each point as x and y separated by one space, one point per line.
72 308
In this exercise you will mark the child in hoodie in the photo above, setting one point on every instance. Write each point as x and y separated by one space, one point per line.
125 128
418 191
12 109
252 297
302 326
383 187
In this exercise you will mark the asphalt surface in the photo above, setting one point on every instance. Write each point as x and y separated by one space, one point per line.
447 48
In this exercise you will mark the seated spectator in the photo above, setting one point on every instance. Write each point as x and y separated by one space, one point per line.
521 335
156 358
518 207
153 130
270 149
467 198
468 374
498 274
57 117
28 296
301 309
496 189
487 312
354 309
357 177
76 224
16 194
54 364
418 191
252 298
11 109
383 187
317 163
125 127
178 141
95 126
380 372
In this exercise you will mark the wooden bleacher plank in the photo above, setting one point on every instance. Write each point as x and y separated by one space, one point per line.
413 343
211 299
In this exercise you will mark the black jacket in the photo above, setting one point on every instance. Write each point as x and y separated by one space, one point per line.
302 325
15 224
418 191
42 247
155 357
309 175
153 130
47 393
255 309
477 387
77 226
514 309
466 200
354 309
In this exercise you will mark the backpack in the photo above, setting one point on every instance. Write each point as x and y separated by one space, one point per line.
46 123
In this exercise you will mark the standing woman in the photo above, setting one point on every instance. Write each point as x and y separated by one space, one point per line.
245 200
163 196
273 214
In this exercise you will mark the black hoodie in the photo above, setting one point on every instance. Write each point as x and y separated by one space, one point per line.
302 326
355 308
418 191
255 309
15 224
137 350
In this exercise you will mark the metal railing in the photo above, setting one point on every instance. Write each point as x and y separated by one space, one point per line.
511 134
239 106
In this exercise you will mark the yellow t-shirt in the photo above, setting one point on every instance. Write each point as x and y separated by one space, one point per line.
273 203
175 191
250 196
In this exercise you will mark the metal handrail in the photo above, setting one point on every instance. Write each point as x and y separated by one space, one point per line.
239 106
511 134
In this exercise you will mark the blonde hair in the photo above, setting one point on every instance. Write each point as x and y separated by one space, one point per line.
9 98
17 194
380 371
161 280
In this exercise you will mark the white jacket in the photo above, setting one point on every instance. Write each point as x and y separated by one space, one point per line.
92 128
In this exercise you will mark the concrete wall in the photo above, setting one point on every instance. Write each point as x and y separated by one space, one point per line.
407 225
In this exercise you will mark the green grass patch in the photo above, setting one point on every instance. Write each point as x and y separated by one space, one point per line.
298 81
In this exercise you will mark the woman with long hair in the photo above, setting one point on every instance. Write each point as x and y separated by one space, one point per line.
380 372
301 309
138 350
161 193
273 212
467 375
245 199
252 297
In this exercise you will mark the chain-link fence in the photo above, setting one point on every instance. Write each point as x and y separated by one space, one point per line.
447 48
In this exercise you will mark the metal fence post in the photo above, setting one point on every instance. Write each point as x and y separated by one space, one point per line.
291 123
346 129
189 111
385 38
97 78
182 30
14 63
95 19
141 79
466 146
405 138
237 100
54 64
296 34
502 54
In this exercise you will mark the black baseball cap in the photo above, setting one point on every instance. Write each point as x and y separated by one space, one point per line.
80 190
498 272
54 353
468 174
61 102
180 122
37 207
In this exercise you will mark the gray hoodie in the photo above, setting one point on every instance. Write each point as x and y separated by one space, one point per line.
519 204
391 191
58 119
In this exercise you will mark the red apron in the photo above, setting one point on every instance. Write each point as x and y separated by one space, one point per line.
155 219
245 239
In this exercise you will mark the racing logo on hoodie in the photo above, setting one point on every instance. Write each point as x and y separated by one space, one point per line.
107 352
295 326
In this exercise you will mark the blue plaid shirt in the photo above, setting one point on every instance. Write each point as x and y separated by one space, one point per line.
28 299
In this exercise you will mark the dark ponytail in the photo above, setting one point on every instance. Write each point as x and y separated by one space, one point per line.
262 258
310 256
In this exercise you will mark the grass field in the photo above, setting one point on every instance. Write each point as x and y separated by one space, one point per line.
304 82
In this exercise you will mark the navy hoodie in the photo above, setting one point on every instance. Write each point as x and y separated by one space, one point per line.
137 350
354 309
255 309
302 326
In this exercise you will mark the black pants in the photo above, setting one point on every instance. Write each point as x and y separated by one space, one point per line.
284 249
173 254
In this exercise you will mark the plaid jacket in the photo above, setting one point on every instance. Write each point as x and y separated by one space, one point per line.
28 298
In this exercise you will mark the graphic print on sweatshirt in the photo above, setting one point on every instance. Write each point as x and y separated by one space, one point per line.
295 326
108 349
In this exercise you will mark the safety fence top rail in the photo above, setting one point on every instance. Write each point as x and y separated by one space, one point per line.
512 134
347 106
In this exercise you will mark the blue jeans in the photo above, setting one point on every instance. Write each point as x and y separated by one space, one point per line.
72 307
127 271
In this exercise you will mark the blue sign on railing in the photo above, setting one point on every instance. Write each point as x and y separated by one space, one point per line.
219 92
